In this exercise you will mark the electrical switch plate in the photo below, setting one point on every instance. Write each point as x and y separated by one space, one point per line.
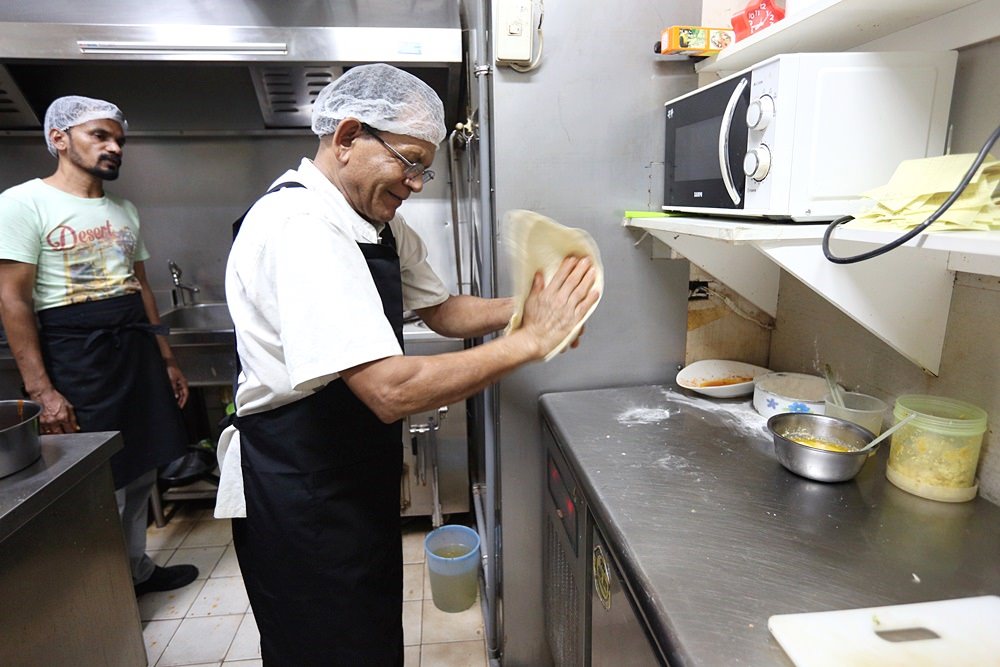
515 31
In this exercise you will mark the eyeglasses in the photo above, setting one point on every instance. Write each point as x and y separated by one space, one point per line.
411 169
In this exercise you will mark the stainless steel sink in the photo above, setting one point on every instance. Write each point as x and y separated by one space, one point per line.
419 339
199 317
200 324
203 340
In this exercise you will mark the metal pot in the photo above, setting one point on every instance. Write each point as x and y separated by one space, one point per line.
19 445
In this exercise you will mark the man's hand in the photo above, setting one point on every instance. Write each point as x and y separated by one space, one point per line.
552 311
178 382
57 412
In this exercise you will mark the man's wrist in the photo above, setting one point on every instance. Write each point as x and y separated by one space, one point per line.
35 394
529 347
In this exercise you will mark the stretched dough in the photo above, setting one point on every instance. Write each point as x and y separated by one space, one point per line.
537 243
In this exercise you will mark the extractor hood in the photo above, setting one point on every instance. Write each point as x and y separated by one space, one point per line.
182 66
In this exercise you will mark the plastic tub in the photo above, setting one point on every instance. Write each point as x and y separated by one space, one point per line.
453 564
864 410
935 455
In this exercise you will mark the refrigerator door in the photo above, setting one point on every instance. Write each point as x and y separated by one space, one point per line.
617 633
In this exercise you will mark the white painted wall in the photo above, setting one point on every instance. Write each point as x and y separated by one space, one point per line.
811 332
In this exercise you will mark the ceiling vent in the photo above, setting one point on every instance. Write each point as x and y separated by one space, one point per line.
227 67
286 94
15 113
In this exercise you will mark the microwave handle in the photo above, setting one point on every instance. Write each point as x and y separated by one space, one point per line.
727 121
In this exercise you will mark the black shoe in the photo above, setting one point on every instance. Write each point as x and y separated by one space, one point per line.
167 579
190 468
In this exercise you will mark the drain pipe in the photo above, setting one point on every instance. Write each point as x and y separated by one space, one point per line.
485 584
481 270
456 136
477 499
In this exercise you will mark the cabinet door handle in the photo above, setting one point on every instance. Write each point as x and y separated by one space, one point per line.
602 578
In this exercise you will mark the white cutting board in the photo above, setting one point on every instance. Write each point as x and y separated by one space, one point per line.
968 631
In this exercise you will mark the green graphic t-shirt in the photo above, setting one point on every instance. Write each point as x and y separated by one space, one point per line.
83 249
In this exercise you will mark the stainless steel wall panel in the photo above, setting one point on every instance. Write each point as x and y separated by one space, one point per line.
190 189
580 139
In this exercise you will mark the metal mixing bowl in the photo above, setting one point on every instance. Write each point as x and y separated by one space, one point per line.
819 464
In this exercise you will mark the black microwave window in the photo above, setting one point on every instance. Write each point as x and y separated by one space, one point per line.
696 147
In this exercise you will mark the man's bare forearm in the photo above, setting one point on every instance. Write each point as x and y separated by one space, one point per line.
395 387
467 316
22 337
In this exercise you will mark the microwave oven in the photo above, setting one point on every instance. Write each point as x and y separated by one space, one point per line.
799 137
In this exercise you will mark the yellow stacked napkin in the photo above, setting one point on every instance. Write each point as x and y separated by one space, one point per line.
919 186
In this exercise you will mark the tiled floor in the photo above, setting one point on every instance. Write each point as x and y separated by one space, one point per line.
210 624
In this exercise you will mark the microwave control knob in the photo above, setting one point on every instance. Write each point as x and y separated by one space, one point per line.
757 163
760 112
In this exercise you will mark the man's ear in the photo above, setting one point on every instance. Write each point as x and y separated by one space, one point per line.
59 139
347 131
342 140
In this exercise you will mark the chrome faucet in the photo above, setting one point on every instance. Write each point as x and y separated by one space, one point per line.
179 294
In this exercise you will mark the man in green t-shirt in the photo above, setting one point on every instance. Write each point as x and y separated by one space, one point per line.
81 319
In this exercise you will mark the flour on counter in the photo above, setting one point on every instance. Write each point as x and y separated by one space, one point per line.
643 416
674 463
741 416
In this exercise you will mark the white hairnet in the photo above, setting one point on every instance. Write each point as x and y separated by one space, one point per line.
384 97
72 110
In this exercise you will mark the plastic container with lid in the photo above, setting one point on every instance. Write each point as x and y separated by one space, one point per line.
936 454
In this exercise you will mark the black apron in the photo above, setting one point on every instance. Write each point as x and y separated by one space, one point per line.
321 546
103 357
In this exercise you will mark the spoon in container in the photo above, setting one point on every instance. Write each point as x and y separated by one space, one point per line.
835 394
889 431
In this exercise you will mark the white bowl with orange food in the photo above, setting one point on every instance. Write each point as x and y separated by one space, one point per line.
720 378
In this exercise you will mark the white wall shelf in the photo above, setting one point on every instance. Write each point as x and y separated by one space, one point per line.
842 25
902 297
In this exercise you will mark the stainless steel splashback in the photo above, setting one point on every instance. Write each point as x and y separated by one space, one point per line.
228 65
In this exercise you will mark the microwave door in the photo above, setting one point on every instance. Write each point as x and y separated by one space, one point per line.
706 142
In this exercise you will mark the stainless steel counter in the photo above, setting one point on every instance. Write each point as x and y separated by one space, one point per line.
714 536
67 593
65 461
